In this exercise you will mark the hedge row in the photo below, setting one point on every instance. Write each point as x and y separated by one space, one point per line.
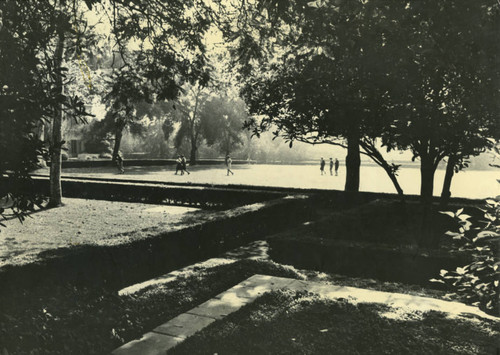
193 196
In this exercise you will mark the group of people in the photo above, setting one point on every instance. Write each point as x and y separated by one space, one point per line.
181 165
333 164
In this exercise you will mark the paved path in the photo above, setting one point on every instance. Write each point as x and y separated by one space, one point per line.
179 328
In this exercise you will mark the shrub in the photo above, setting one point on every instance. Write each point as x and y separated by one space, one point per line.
478 282
64 156
105 156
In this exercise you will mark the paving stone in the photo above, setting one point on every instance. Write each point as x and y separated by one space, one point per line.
216 308
149 344
327 290
273 282
248 292
184 325
298 285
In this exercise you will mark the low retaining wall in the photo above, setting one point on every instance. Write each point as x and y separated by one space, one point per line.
118 266
363 260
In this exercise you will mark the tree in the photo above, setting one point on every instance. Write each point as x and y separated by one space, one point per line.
323 83
156 41
151 122
33 66
21 110
158 127
222 121
445 102
188 115
338 69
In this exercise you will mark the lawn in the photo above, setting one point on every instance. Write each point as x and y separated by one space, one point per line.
382 221
286 322
89 222
76 320
64 319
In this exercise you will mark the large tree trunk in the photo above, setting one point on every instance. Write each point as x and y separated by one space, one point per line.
55 198
395 181
162 150
352 162
427 170
194 129
426 178
118 141
194 148
450 170
372 151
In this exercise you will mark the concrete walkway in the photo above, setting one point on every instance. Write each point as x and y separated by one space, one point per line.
179 328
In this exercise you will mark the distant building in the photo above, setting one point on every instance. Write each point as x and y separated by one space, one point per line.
72 133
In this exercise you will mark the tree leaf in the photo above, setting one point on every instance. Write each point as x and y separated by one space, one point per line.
486 236
437 281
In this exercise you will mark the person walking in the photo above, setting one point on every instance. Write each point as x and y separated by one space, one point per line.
178 166
119 162
229 162
331 166
336 166
322 166
184 164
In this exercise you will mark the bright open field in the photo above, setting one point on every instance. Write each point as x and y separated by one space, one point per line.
468 183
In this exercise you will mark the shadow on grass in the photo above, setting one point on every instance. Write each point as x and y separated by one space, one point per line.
286 322
67 319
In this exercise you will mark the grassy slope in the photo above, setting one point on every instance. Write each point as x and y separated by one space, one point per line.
286 322
69 320
379 222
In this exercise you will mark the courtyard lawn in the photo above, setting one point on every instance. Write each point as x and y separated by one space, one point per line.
88 222
286 322
380 222
64 319
469 183
56 319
